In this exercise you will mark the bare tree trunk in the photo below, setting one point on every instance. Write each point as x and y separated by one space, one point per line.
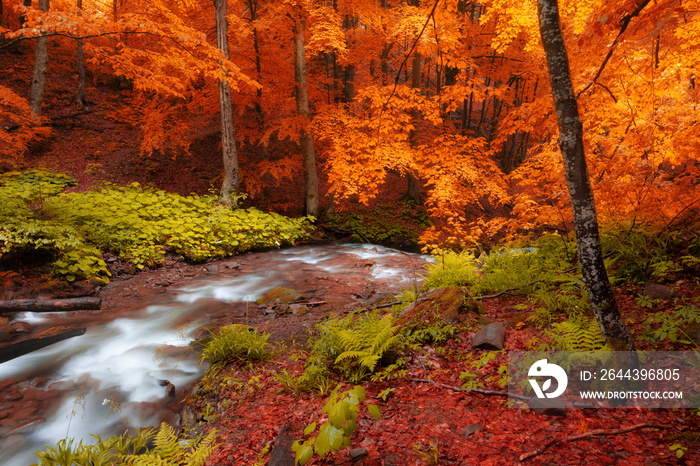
228 131
2 17
571 144
41 62
413 191
80 97
307 142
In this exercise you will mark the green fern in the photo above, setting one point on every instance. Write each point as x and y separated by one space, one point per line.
353 346
369 341
168 450
572 335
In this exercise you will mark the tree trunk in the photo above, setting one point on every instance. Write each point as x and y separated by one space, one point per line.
228 131
307 142
80 97
2 17
413 189
49 305
41 62
571 144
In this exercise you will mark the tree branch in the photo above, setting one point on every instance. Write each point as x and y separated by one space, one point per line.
476 390
592 433
623 27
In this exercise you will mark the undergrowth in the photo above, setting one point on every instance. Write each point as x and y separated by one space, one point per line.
140 224
385 224
147 446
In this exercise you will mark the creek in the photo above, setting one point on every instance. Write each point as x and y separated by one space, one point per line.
132 367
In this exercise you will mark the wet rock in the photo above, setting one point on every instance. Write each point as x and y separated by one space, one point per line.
21 327
211 268
282 295
656 291
170 391
34 394
62 386
27 426
39 382
548 406
490 337
233 266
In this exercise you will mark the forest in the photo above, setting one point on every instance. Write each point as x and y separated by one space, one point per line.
545 153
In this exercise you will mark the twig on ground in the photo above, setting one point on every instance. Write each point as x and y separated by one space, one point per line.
592 433
476 390
496 295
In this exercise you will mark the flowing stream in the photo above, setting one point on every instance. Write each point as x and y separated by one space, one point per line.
119 370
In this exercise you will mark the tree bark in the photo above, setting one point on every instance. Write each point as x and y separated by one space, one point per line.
307 142
231 181
41 62
49 305
413 188
571 144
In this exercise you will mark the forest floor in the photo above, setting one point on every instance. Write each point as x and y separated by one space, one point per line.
426 418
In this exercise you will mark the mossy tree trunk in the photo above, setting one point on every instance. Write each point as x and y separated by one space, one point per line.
571 144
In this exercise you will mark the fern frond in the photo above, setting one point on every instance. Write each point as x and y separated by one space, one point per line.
573 336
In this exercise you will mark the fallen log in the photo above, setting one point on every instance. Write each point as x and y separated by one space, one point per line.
48 337
49 305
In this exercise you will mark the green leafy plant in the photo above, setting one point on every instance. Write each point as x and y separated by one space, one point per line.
662 326
139 224
429 454
147 446
577 335
472 376
235 343
342 410
639 254
451 269
354 345
678 449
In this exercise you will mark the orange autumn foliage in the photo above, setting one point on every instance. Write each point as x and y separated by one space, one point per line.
479 133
